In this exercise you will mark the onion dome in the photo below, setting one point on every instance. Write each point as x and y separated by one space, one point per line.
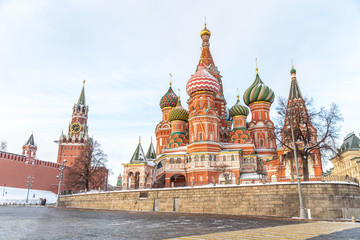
178 113
292 70
238 109
258 91
205 31
202 80
169 99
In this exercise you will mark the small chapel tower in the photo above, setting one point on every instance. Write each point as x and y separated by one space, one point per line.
138 174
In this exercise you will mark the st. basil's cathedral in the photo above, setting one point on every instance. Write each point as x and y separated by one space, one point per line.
207 143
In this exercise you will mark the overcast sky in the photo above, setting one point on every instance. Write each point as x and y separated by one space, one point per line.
125 51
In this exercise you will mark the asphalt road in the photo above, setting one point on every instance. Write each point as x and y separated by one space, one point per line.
50 223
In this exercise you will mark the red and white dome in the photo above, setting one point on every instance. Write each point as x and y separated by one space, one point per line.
202 80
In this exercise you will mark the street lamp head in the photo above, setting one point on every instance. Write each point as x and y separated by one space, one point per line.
64 161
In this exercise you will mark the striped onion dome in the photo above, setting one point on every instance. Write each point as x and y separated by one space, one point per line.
258 91
169 99
202 80
238 109
178 113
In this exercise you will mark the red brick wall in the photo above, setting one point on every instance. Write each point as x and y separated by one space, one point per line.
15 170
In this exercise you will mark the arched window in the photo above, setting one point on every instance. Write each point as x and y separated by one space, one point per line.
232 158
224 158
214 158
178 160
172 160
196 158
261 143
202 158
210 158
189 158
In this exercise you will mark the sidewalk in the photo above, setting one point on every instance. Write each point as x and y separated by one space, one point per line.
344 230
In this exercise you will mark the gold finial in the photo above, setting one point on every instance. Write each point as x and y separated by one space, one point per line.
257 69
292 63
179 93
84 83
151 139
237 93
139 139
205 31
205 21
170 79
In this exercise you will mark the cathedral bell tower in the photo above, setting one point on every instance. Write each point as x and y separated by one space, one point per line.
163 129
207 61
259 98
74 142
204 121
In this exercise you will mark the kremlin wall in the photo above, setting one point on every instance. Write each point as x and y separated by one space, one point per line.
15 169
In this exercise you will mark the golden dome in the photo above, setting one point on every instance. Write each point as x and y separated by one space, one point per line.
205 31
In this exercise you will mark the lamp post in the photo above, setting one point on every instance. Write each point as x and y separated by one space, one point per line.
302 208
29 185
61 175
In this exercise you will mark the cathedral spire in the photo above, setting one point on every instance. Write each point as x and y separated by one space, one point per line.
295 92
206 57
81 100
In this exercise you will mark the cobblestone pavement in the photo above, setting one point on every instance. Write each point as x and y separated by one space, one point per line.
50 223
312 230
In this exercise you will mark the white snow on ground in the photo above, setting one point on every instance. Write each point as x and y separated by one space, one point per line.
18 196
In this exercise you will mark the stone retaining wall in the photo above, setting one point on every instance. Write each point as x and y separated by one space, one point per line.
326 200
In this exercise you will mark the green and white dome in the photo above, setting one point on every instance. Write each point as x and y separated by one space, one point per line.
238 109
258 92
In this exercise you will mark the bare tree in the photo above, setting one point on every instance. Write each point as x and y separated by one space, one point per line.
225 171
315 131
3 146
89 169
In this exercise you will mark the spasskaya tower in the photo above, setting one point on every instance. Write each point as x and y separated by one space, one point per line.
72 144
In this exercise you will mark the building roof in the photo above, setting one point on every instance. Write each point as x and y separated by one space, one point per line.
351 142
81 100
258 91
139 155
30 141
151 155
169 99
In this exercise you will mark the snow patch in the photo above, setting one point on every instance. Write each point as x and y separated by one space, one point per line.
12 195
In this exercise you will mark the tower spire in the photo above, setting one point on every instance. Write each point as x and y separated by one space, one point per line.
295 92
257 68
81 100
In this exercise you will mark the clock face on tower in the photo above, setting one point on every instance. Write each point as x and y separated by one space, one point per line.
75 127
